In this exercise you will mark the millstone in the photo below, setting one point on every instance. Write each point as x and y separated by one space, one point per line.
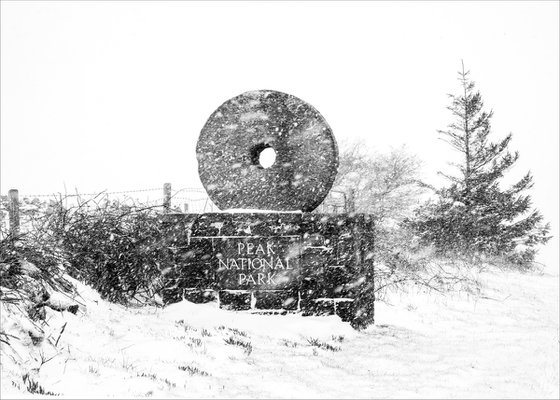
230 145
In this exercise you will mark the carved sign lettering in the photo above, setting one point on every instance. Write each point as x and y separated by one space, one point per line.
258 263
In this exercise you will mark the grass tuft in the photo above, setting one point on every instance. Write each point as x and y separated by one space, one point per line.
322 345
192 370
33 387
248 348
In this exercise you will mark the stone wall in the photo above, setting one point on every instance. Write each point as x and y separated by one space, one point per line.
315 263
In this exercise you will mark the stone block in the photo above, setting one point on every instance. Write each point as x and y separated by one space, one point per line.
317 307
200 296
344 309
277 299
235 300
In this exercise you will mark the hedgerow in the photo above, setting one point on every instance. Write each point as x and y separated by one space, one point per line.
116 247
113 246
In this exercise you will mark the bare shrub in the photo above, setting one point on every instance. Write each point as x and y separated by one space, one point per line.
113 246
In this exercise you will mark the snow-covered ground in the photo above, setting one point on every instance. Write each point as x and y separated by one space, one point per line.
503 343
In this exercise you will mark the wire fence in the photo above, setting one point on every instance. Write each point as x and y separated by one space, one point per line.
27 206
190 200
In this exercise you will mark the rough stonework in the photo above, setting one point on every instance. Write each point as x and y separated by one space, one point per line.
286 260
271 253
232 139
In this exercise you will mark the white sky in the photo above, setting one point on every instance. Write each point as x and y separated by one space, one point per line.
112 95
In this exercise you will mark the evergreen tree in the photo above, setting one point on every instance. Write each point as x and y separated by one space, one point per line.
474 214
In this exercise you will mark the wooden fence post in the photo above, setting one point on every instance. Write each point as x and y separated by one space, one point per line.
166 197
351 201
13 210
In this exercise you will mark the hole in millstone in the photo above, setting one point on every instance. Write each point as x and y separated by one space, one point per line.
267 157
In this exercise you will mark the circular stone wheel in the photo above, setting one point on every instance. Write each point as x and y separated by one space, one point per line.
230 146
